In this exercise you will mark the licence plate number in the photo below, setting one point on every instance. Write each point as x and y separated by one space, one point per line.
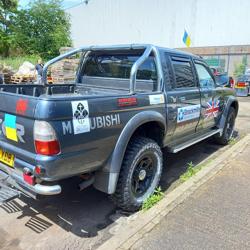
7 158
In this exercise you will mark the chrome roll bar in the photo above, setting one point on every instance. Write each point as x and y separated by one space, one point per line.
149 49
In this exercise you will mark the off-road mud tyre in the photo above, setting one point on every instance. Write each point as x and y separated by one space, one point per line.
228 128
143 156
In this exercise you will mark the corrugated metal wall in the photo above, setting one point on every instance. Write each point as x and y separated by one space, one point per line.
161 22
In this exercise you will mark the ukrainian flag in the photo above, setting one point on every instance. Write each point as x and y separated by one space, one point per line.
186 39
10 127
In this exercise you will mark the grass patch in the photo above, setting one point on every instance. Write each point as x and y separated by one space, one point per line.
191 170
153 199
16 62
232 141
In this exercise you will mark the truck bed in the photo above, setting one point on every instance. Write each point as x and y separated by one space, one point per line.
89 86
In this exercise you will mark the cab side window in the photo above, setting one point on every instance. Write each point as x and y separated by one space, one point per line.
184 77
205 79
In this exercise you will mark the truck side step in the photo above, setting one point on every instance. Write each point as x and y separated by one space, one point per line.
7 194
187 144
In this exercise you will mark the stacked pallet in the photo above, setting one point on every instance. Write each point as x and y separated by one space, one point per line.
26 73
6 72
64 71
22 78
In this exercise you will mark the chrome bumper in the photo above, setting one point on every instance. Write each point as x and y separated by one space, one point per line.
16 181
47 190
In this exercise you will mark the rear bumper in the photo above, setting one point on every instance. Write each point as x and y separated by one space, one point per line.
15 180
55 167
242 91
47 190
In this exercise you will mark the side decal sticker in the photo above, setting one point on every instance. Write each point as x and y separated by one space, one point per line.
188 113
16 134
156 99
105 121
95 123
10 127
21 106
81 123
212 109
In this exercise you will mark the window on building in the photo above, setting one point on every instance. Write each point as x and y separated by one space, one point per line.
184 77
205 79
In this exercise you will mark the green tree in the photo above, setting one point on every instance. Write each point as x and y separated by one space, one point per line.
241 67
8 9
42 28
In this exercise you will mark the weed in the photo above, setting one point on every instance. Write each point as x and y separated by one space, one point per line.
191 170
232 141
153 199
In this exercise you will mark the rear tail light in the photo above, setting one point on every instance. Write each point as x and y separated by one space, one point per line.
241 84
46 142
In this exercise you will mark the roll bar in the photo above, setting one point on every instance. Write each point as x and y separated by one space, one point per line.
147 52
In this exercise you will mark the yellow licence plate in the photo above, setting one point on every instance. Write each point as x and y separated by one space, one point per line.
7 158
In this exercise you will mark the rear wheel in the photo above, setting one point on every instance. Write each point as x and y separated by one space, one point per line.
140 173
228 128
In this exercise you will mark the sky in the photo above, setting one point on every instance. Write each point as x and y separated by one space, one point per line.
66 3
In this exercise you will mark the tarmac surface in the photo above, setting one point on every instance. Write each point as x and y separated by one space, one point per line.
84 220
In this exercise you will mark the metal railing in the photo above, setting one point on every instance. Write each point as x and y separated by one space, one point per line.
148 50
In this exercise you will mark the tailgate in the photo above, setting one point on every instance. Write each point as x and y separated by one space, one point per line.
17 120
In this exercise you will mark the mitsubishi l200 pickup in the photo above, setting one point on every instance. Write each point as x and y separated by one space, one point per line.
127 103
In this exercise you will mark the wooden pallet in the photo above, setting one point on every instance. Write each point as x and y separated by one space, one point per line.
21 79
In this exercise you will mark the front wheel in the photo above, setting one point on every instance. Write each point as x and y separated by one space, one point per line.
228 128
140 173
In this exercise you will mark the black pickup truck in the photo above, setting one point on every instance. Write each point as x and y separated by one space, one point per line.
109 126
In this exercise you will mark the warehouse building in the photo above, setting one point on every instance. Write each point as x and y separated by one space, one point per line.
218 30
225 58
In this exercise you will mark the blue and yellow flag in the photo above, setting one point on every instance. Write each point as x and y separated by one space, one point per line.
10 127
186 39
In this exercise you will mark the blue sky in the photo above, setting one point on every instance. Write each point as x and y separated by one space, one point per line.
66 3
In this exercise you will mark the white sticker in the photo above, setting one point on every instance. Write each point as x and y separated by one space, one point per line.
81 122
156 99
188 113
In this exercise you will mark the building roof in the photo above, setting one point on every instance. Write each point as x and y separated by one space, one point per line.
219 50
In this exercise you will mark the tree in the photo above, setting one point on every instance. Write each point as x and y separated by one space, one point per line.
240 68
42 28
8 9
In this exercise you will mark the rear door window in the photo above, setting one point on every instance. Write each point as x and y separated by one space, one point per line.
184 77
